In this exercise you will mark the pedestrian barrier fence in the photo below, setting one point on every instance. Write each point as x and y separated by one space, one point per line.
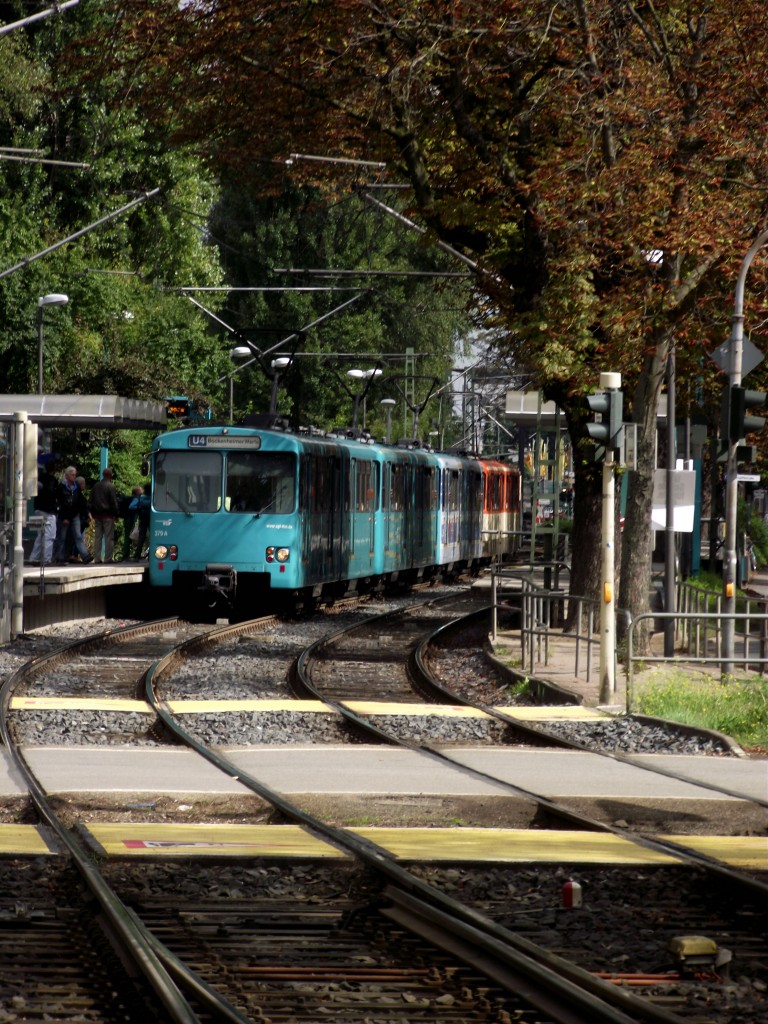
750 648
698 627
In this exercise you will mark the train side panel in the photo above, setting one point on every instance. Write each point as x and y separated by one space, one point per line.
239 510
459 542
501 508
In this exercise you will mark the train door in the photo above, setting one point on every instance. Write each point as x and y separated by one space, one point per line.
395 497
362 510
424 514
323 526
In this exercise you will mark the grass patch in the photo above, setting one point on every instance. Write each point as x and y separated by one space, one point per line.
518 689
739 708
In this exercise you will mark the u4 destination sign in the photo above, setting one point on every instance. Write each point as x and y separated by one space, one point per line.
223 441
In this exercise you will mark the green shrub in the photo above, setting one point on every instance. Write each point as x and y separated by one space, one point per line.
738 709
758 532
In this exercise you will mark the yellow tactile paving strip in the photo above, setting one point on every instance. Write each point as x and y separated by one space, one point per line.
23 841
738 851
79 704
419 844
554 712
142 840
509 846
197 707
369 707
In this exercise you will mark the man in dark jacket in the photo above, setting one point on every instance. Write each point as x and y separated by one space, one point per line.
105 510
45 505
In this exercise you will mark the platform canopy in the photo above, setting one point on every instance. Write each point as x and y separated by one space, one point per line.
529 409
86 411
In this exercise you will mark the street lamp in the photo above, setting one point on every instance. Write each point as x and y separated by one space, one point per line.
278 365
238 352
365 376
389 404
54 299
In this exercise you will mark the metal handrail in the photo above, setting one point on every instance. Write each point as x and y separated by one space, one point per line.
537 626
745 659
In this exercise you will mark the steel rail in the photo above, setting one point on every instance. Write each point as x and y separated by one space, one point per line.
149 956
420 666
553 807
598 1001
677 850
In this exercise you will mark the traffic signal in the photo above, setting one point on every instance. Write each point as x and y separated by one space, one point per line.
739 424
177 407
607 429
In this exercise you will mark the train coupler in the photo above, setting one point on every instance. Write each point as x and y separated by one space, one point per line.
220 579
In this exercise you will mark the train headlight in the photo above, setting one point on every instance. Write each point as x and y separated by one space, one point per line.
277 554
161 552
173 553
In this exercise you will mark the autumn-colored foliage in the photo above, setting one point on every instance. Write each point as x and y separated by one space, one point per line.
603 161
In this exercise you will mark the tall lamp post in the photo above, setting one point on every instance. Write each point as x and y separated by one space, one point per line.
388 405
278 366
54 299
365 376
238 352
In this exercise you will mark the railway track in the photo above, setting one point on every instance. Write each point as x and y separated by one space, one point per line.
494 962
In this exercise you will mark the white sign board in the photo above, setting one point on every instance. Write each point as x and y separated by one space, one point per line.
683 499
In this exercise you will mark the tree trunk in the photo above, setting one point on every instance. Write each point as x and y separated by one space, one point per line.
637 546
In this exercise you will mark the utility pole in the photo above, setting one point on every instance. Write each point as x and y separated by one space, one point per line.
608 604
731 485
608 405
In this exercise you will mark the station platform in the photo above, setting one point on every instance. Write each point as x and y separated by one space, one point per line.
161 841
62 593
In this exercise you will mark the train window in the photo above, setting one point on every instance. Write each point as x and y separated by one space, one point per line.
321 484
187 481
261 482
397 487
427 489
365 493
451 497
475 484
495 482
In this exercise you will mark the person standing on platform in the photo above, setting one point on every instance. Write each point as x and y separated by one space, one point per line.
129 519
79 523
46 506
105 510
144 505
66 495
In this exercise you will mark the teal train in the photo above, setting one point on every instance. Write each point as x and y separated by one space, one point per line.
256 520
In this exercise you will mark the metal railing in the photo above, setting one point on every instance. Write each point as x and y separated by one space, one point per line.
750 642
698 624
543 612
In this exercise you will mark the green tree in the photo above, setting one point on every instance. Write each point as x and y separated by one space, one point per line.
125 330
386 285
558 144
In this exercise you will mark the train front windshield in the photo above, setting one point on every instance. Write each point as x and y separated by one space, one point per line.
261 482
195 481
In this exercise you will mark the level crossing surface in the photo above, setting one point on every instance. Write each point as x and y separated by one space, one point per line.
337 770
